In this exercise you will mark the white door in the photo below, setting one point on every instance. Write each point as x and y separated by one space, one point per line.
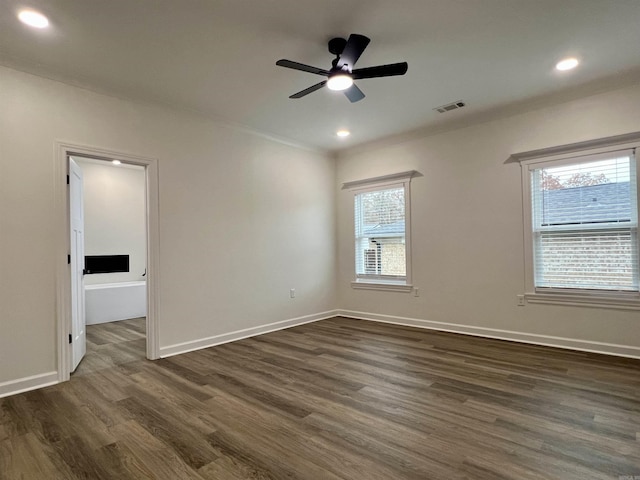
78 327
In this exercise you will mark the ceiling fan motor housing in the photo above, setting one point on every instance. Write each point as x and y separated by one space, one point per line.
336 46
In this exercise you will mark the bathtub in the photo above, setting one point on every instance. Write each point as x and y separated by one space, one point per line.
109 302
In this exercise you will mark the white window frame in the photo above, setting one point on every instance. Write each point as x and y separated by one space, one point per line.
397 180
567 154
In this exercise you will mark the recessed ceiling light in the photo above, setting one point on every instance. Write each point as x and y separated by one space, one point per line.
116 162
33 19
343 133
567 64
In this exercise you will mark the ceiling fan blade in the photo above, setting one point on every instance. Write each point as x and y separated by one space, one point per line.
354 94
302 67
381 71
352 50
309 90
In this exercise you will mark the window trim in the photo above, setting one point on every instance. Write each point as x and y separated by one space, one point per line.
378 183
567 154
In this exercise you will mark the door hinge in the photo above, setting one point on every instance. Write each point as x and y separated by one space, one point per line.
70 338
69 259
68 179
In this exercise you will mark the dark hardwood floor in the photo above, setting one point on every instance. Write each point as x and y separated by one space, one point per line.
336 399
115 343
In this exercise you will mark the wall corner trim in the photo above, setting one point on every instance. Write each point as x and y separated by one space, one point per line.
207 342
521 337
25 384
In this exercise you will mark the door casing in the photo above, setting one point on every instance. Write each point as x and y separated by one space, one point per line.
63 276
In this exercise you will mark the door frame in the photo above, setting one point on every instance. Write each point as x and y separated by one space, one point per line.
63 245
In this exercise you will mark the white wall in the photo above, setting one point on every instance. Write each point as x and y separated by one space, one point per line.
242 219
467 223
114 217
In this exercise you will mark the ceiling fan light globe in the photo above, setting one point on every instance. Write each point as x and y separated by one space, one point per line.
339 82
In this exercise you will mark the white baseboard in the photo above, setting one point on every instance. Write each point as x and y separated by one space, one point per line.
25 384
545 340
185 347
34 382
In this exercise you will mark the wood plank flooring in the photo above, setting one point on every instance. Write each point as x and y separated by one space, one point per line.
114 343
336 399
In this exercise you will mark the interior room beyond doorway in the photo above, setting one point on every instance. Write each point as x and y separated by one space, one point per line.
115 271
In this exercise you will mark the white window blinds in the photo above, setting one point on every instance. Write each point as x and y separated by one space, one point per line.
380 233
585 223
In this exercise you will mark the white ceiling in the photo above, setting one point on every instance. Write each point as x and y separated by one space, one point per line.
218 57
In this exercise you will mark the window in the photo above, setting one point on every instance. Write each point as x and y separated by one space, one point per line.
585 225
380 234
381 226
582 228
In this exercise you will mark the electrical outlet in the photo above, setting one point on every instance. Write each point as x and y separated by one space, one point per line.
292 293
520 300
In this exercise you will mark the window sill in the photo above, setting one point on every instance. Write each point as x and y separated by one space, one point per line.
620 302
382 286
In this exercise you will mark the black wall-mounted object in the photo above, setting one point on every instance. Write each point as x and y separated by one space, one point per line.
106 263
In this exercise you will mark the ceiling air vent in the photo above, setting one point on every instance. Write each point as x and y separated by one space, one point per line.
450 106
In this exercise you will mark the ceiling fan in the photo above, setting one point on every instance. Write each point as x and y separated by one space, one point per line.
342 74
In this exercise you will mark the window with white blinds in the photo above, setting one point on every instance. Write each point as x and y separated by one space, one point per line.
585 223
380 233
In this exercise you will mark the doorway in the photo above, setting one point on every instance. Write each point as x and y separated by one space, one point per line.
125 281
111 212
